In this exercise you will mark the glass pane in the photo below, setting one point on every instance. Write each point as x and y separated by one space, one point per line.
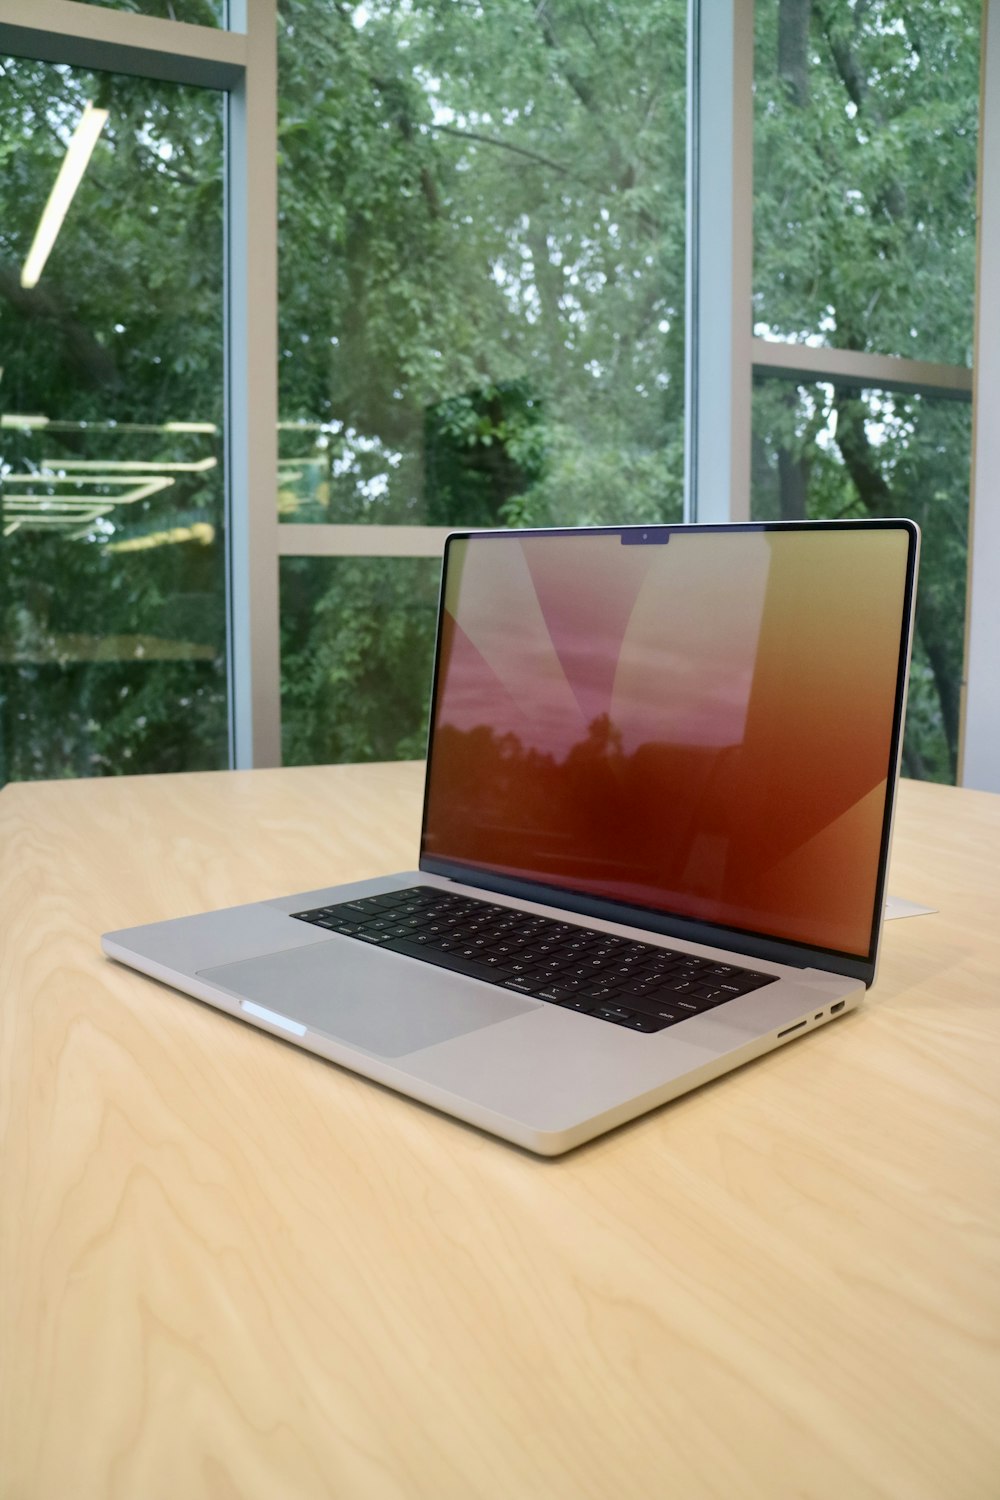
481 261
866 121
197 12
112 570
357 649
823 452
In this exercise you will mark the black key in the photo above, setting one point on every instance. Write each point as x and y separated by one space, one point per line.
597 993
641 1022
584 971
648 1005
749 981
475 968
613 1013
641 987
625 970
703 991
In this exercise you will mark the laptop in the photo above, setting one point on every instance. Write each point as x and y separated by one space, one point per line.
657 815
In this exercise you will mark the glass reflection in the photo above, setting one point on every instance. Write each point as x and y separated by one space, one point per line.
112 569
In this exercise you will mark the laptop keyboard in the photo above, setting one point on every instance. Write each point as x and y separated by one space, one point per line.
632 984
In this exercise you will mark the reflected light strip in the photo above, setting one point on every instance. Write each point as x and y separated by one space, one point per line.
17 421
32 504
74 164
10 420
201 531
148 484
74 518
56 466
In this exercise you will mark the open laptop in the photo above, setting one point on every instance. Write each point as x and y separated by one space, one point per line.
658 807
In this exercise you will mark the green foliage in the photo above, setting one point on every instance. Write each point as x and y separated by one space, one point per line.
490 199
482 292
357 639
481 221
112 652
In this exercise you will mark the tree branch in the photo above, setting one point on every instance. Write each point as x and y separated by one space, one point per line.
492 140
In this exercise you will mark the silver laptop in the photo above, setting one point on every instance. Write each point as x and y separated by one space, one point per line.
658 807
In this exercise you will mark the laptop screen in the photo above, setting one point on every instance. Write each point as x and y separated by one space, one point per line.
702 724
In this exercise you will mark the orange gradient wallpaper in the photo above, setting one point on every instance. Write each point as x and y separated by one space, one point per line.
700 727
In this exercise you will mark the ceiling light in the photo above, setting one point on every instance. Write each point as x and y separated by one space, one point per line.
82 143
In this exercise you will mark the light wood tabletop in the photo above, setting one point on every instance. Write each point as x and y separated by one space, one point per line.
228 1268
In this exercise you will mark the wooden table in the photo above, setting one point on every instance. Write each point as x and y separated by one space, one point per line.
230 1269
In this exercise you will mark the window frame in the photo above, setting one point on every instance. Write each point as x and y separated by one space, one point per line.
722 356
241 63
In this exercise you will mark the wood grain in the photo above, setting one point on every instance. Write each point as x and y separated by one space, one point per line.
229 1269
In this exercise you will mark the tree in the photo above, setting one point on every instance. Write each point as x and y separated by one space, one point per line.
482 287
481 322
112 629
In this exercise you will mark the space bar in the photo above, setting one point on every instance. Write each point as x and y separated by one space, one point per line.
451 961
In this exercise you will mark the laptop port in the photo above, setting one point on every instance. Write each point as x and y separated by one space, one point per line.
834 1009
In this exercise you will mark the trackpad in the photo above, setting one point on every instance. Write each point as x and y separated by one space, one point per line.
352 992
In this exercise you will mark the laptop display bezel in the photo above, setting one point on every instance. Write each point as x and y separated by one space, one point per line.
749 943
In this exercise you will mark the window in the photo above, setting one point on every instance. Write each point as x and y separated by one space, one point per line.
482 321
865 136
481 307
112 571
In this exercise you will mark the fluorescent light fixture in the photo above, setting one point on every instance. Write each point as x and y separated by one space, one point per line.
82 143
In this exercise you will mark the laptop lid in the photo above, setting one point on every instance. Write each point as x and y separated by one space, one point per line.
691 729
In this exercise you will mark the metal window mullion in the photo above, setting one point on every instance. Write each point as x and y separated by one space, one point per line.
252 385
718 372
333 540
979 750
806 362
90 36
